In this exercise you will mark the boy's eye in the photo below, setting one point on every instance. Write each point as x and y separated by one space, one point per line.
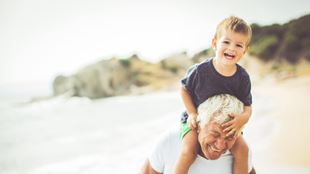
226 42
238 45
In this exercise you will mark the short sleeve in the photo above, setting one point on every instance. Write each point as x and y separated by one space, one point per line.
246 96
190 79
156 157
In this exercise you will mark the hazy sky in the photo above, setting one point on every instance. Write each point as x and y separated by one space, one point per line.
42 38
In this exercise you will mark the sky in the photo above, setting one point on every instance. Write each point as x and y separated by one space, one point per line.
44 38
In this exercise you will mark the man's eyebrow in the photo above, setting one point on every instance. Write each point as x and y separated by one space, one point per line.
214 132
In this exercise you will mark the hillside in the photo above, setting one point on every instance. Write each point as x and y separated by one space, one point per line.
290 41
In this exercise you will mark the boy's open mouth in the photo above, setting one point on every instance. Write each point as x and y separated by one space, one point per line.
229 56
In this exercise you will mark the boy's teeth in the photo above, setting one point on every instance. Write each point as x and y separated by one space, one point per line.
229 55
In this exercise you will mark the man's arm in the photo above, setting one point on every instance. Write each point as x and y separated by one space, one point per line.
147 169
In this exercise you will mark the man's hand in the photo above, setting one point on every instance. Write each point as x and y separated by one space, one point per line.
192 120
234 125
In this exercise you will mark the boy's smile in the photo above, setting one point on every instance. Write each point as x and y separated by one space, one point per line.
229 56
230 47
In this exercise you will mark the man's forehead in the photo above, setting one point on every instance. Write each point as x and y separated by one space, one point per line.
214 126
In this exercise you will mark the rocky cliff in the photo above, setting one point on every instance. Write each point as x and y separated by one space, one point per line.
115 76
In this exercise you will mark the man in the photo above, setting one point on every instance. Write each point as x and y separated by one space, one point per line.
214 146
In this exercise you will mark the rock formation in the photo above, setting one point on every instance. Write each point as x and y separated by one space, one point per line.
122 76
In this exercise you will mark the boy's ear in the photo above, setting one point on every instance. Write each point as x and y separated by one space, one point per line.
246 49
213 43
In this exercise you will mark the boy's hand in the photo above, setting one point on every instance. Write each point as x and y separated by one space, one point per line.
192 121
234 125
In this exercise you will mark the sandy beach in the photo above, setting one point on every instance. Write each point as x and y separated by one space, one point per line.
114 135
291 113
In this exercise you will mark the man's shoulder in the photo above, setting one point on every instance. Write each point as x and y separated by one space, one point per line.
170 138
165 151
168 143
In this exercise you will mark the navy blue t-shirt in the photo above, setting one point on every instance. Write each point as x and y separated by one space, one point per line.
203 81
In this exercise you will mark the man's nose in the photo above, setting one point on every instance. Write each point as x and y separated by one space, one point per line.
220 144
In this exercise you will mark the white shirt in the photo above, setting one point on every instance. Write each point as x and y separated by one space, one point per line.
166 152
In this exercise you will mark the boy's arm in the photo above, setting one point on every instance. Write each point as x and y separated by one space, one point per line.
246 114
189 105
187 100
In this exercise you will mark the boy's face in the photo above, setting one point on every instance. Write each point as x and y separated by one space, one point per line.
230 47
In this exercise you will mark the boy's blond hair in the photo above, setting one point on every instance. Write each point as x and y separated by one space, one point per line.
234 24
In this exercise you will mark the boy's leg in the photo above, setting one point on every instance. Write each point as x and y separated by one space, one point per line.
188 153
240 152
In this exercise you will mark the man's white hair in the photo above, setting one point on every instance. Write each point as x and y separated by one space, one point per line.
218 108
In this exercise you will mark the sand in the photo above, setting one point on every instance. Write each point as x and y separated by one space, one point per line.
290 112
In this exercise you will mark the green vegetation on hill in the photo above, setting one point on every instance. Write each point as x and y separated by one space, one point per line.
290 41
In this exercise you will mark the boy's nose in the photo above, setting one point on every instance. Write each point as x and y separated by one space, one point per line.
231 47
